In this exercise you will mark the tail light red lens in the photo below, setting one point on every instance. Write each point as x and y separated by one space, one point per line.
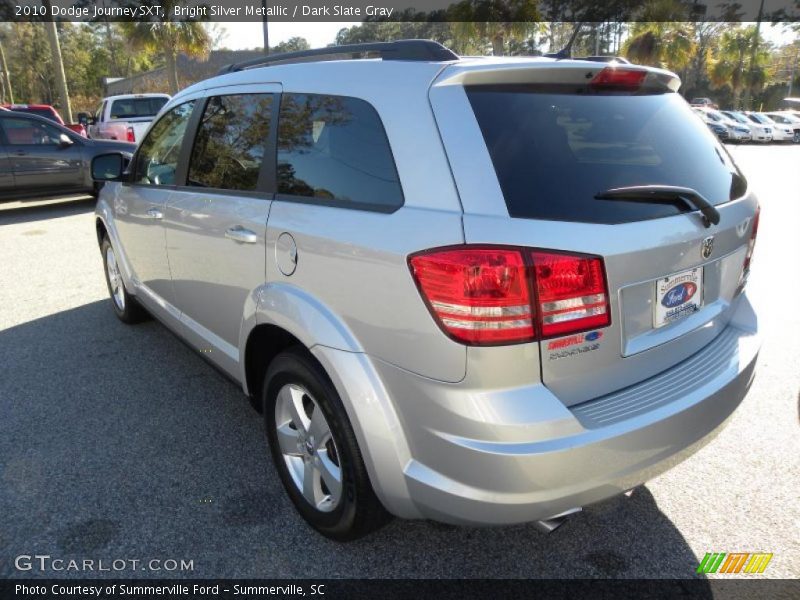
571 292
619 78
478 295
130 135
491 296
752 243
750 246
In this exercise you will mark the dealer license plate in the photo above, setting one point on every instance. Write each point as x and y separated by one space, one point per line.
678 296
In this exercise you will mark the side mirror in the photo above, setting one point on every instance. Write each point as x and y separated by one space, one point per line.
108 167
64 141
83 118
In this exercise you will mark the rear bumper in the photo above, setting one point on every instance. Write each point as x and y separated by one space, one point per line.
518 454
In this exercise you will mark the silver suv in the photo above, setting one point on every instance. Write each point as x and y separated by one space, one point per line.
481 291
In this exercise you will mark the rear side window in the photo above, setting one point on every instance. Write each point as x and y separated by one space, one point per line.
229 147
131 108
554 149
334 148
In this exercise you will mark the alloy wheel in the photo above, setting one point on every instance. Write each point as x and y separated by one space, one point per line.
308 448
115 279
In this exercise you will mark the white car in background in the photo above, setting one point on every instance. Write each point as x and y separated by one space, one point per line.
737 132
758 131
780 133
787 119
125 117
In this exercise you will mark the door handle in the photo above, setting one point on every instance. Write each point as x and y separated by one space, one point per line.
241 235
154 213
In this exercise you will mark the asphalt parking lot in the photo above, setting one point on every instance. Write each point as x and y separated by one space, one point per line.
119 442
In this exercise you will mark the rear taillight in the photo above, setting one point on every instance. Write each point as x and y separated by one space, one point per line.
483 295
571 293
619 78
130 135
750 246
478 295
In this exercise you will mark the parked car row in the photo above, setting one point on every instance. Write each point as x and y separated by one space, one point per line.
751 126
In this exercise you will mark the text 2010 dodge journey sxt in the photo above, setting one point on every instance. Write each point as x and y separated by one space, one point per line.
481 291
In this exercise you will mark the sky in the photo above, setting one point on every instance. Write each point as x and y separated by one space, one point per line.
241 36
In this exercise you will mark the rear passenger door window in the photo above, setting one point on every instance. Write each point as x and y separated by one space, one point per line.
334 150
229 147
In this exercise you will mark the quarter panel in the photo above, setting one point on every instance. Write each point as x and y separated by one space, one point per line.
355 263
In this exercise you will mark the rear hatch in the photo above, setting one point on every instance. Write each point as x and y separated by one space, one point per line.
556 141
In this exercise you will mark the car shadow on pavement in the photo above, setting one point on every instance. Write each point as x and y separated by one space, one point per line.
121 442
27 210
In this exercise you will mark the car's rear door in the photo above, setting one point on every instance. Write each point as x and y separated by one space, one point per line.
216 219
546 146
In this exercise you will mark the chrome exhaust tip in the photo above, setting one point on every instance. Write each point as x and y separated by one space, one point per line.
550 524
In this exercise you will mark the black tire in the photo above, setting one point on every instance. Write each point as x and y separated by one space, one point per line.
359 512
131 311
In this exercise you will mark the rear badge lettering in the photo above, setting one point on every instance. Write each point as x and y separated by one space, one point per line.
570 345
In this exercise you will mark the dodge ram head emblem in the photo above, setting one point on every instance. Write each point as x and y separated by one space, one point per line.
707 247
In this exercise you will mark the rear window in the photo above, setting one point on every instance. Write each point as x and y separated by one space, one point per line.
47 113
553 149
334 149
131 108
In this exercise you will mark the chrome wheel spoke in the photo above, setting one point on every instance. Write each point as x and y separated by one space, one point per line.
331 475
318 429
288 440
294 403
310 485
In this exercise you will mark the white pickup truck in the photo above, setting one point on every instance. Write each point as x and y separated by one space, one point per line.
126 117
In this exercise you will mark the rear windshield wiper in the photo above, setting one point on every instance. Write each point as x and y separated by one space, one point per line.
664 193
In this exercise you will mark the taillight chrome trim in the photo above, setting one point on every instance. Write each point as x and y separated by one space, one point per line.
582 313
483 325
481 311
572 303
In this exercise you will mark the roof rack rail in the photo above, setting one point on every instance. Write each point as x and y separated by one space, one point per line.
412 50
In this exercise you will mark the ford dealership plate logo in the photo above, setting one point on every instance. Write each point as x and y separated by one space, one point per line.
681 293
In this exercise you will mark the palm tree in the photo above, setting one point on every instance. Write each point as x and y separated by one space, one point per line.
729 64
170 38
663 44
495 21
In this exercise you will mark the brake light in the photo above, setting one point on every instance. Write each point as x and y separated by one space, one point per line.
619 78
571 292
750 246
483 295
130 135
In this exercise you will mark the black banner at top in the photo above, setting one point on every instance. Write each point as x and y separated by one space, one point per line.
500 11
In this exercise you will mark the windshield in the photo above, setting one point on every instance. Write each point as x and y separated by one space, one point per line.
737 117
553 152
760 119
131 108
783 119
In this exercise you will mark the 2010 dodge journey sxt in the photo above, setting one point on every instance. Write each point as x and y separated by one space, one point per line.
482 291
